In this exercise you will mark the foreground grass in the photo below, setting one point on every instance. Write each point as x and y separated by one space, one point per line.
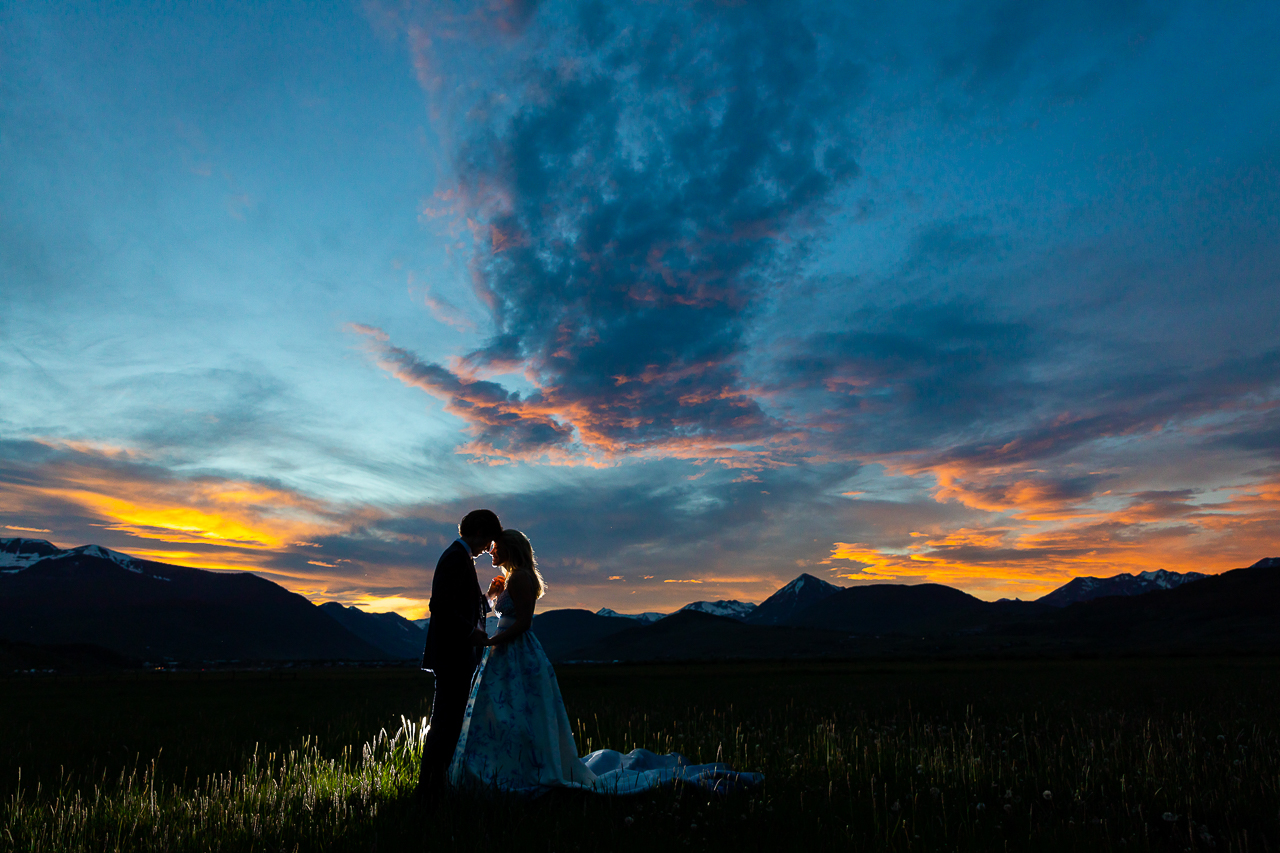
1146 755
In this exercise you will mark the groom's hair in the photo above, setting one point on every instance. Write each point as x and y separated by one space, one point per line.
480 524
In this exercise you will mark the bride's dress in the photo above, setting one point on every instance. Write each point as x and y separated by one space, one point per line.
516 735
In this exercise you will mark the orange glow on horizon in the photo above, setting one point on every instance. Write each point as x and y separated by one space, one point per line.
1020 536
1030 554
204 512
409 608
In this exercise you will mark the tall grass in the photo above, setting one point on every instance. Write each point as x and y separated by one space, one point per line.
295 800
1136 757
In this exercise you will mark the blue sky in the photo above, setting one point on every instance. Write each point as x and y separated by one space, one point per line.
700 296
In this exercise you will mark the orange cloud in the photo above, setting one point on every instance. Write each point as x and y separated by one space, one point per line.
549 428
216 523
229 513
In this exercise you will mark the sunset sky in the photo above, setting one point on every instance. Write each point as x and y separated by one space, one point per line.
700 296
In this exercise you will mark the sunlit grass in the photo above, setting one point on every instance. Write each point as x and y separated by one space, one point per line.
1034 768
298 798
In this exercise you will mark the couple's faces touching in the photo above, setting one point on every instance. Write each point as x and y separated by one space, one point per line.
498 552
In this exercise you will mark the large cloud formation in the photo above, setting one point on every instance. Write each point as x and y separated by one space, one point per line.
633 200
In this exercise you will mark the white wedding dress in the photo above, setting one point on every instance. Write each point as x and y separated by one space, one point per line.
516 735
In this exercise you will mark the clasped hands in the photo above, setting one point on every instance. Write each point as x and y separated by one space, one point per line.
479 637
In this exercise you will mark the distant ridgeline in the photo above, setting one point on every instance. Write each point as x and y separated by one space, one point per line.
104 608
155 613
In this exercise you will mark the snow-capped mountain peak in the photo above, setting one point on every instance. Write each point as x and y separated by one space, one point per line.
795 596
1087 588
122 560
797 586
731 608
645 618
18 553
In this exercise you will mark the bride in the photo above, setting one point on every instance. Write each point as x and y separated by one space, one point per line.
516 735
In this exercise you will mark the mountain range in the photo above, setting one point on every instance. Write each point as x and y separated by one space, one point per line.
389 632
774 610
67 601
740 610
1086 589
155 612
1234 612
646 618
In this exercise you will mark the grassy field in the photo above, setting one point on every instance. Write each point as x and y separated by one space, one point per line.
1087 755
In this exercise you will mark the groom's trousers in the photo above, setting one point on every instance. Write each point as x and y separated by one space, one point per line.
448 707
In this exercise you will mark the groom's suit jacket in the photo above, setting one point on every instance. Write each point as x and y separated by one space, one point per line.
457 609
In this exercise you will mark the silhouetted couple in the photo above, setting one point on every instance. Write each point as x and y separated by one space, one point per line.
498 721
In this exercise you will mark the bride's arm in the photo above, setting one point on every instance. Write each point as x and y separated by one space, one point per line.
523 597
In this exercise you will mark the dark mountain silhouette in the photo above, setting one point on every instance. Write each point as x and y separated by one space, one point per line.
791 599
1236 611
692 635
564 631
89 607
392 633
926 608
152 611
1087 589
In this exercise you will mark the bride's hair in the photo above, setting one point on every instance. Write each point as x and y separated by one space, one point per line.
520 558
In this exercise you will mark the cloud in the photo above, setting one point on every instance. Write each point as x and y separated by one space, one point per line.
1029 558
644 176
942 246
125 494
923 370
1059 50
503 426
441 308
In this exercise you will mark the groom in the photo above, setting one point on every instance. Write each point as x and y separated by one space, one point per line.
454 635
